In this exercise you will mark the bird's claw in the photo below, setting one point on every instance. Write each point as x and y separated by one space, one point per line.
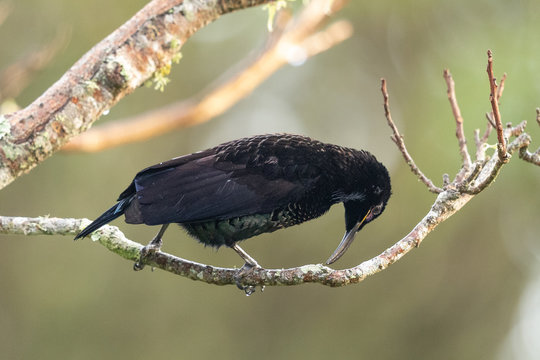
145 253
242 273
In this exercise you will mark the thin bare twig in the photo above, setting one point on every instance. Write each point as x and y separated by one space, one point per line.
494 99
460 134
489 117
486 133
398 139
501 87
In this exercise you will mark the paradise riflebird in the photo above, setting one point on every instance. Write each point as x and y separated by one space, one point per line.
254 185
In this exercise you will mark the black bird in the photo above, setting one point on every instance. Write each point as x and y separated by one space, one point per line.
254 185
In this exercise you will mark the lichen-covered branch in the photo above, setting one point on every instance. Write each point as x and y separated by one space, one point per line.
141 49
447 203
293 40
108 236
533 158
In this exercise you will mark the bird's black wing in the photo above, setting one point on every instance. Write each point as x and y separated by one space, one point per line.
201 187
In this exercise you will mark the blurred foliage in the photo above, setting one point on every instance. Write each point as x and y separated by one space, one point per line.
454 297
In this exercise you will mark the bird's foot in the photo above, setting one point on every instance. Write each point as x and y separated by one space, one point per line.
152 247
242 273
146 251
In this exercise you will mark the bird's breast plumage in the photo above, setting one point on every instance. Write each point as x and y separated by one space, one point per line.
217 233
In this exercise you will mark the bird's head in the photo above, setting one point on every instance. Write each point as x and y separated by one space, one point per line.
363 206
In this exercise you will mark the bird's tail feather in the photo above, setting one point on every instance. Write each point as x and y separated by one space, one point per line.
108 216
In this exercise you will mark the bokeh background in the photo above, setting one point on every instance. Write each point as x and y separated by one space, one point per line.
471 291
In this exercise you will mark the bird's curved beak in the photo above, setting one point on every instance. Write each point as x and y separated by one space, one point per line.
347 240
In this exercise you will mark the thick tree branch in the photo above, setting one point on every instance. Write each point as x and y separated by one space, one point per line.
142 48
293 40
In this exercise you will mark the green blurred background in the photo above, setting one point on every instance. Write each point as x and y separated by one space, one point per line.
471 291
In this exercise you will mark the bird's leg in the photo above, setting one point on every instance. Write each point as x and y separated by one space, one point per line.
244 255
249 265
152 247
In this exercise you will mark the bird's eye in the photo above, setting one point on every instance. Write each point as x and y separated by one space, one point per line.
377 210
